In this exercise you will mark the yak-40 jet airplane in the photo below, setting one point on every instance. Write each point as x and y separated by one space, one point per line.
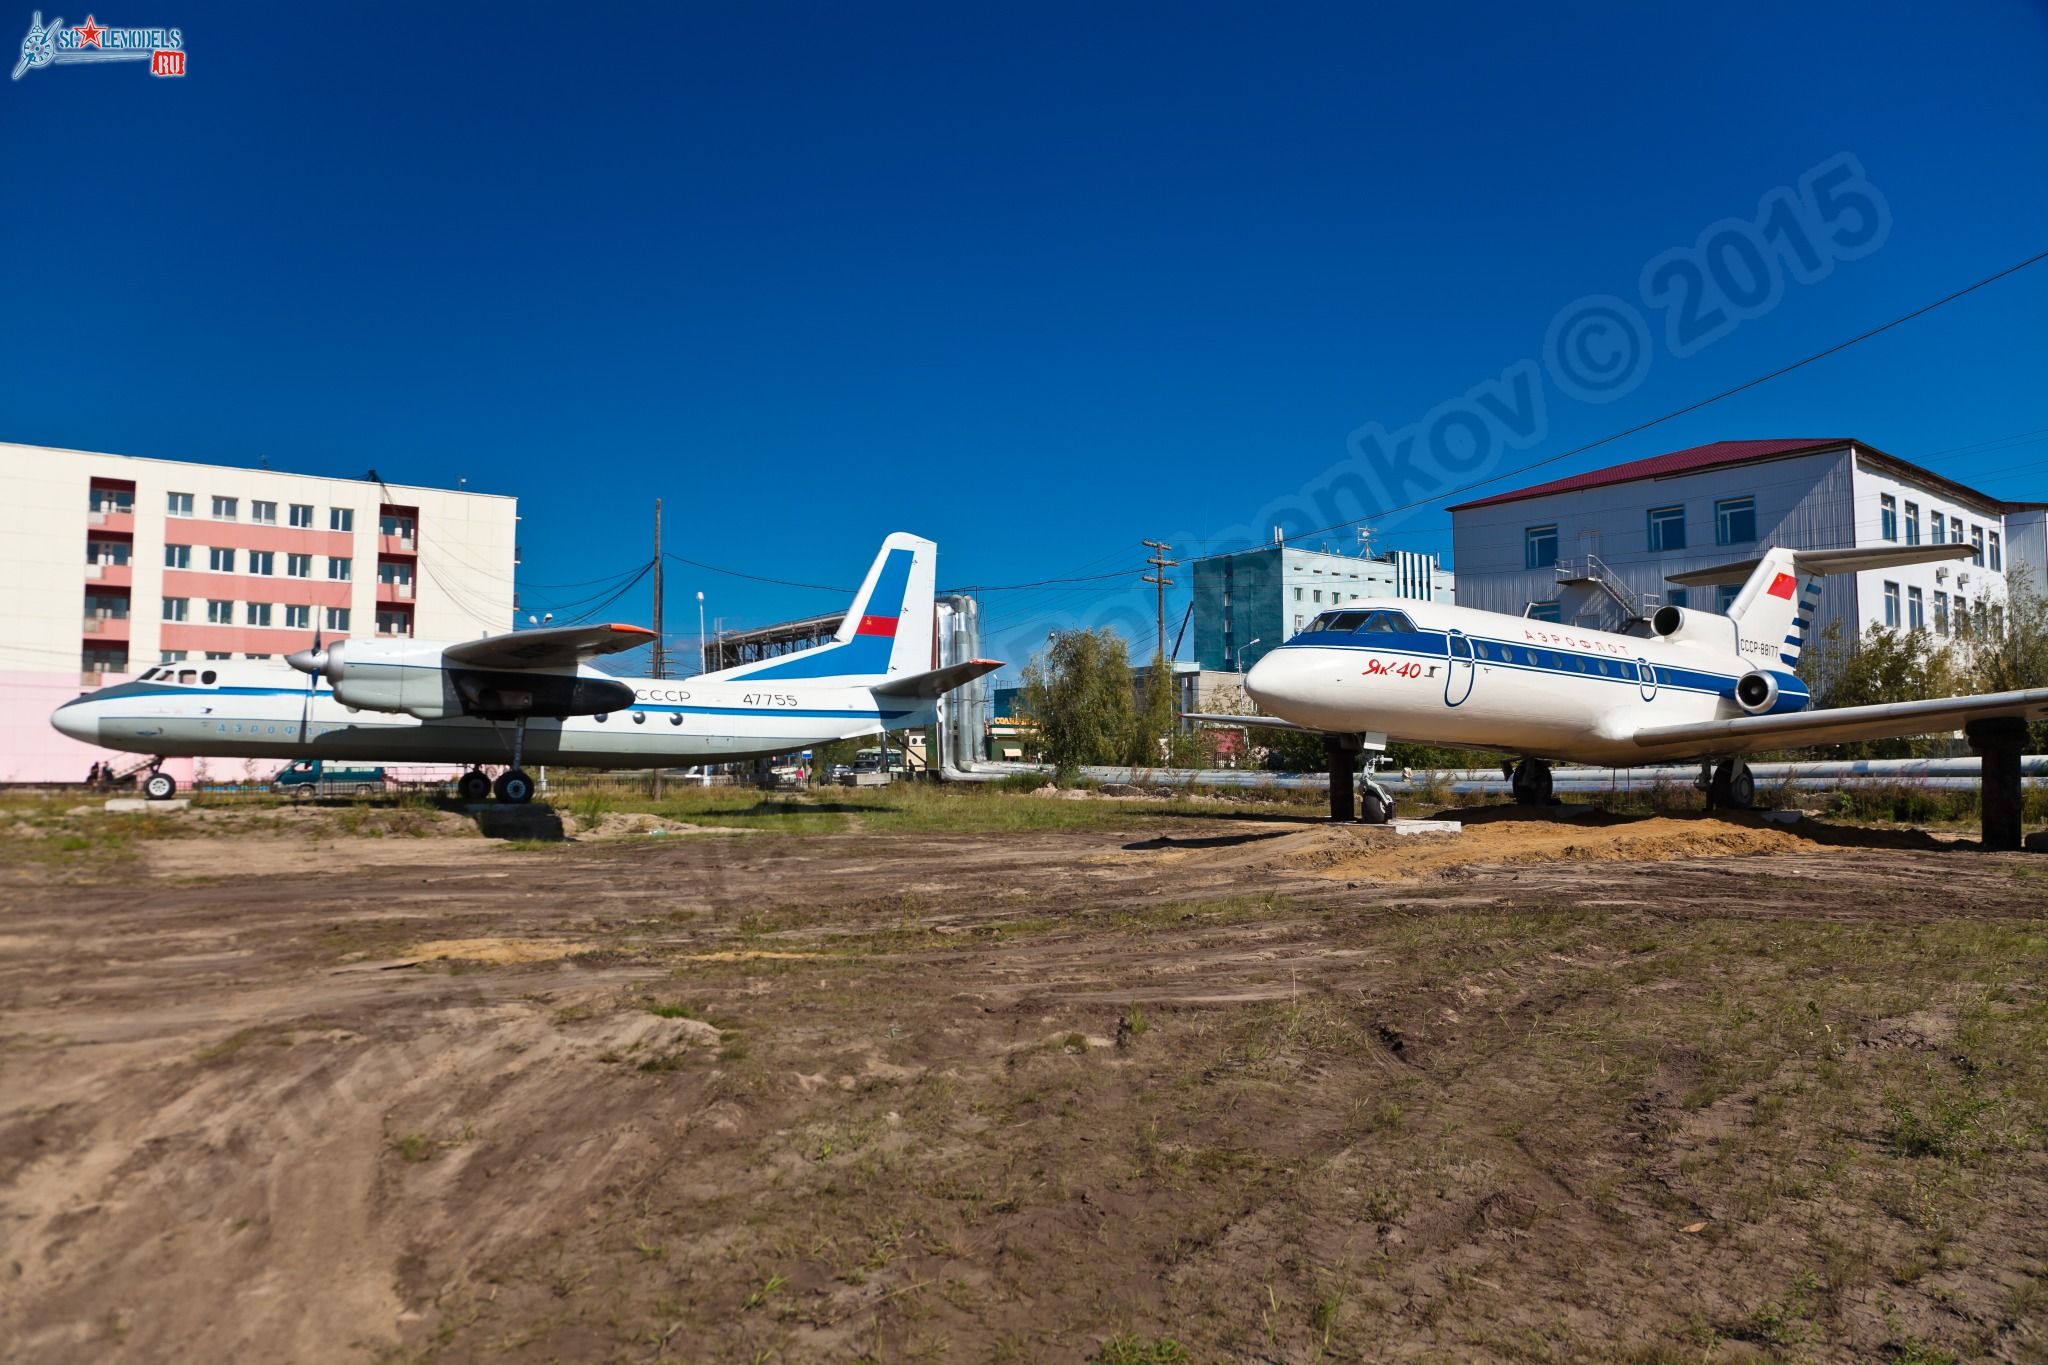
533 696
1701 687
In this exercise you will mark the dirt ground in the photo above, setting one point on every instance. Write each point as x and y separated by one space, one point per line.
1153 1086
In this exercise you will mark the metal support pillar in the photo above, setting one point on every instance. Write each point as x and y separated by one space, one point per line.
2000 742
1340 750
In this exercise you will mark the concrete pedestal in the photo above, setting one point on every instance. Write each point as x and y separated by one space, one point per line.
2000 743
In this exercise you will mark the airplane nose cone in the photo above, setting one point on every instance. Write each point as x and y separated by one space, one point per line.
1264 683
78 719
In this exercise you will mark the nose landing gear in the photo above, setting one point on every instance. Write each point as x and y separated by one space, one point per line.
1729 785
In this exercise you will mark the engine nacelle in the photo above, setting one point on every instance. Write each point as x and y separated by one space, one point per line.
1676 623
1766 692
391 675
412 677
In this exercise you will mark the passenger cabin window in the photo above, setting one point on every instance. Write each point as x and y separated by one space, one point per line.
207 678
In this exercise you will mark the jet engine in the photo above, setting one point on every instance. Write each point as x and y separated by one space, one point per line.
1676 623
1766 692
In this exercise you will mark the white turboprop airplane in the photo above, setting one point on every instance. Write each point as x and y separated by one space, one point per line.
532 695
1702 686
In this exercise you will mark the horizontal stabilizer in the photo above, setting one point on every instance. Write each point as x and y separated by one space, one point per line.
1828 562
938 682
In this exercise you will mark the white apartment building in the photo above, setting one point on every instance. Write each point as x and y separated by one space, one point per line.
114 562
1596 548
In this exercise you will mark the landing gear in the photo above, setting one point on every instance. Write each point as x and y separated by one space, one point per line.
159 786
1530 780
1374 806
514 787
1732 786
473 787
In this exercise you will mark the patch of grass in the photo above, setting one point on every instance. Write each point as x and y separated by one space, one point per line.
414 1147
1127 1348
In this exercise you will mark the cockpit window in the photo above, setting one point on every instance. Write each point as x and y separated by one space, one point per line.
188 675
1345 620
1390 623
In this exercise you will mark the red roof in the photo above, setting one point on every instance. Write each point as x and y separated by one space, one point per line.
1663 466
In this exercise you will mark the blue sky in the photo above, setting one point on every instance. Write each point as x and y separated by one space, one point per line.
1035 280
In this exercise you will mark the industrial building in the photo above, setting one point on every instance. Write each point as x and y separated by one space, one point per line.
1250 601
1595 549
116 562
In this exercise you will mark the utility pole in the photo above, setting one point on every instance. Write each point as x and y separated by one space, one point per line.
660 651
1158 579
703 652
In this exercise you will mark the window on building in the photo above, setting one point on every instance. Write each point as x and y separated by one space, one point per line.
220 613
1955 529
1317 594
255 656
1546 611
1891 605
1724 596
1912 523
177 608
263 513
1297 597
1667 528
107 551
224 509
394 623
337 618
1961 619
1297 621
298 566
1888 516
1977 539
106 608
177 556
301 514
1940 612
341 519
1937 526
259 613
111 499
220 559
179 504
215 654
400 527
1678 597
1539 547
340 569
173 656
1734 521
263 562
1997 553
1916 610
298 617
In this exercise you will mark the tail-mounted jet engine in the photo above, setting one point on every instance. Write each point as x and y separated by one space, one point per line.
1766 692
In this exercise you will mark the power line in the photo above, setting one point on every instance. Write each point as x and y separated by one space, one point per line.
1691 407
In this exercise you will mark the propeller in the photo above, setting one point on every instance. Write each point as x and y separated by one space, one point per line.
311 662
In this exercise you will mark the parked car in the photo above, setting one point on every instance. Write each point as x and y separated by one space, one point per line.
315 777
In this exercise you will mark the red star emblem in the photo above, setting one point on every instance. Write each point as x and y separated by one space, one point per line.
89 33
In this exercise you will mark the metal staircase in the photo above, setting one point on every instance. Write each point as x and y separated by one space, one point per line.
1588 571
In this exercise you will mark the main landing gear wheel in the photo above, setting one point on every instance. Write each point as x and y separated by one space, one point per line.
514 787
1733 787
1373 808
473 787
1531 782
159 786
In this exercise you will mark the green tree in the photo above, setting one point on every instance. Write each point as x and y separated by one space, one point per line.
1883 666
1078 689
1158 719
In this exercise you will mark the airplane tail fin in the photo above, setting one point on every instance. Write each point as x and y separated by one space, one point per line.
888 631
1773 613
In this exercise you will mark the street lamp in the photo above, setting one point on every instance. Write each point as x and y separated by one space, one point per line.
701 667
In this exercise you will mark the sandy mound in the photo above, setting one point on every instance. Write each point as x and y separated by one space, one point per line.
1342 851
627 825
500 951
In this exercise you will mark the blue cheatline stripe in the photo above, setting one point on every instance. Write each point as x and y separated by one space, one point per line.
1497 653
807 713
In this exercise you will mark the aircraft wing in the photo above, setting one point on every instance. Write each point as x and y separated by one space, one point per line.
1796 729
549 647
938 682
1256 722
